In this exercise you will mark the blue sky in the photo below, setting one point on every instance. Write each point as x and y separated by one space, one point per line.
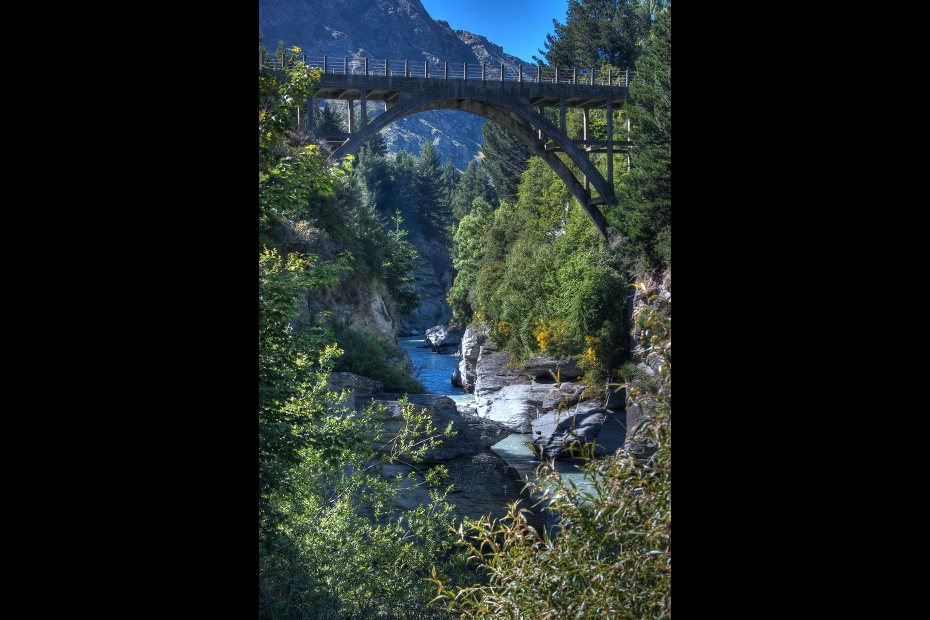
519 26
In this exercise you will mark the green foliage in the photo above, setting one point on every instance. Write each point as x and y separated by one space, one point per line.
342 552
397 269
402 189
468 252
307 205
433 209
610 555
290 171
285 188
330 119
375 358
504 156
328 543
597 34
645 214
291 363
536 273
351 221
374 170
474 183
539 275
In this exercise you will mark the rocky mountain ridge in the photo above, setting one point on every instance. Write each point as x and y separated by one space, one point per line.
393 30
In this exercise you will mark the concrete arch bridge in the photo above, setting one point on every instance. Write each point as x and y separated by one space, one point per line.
407 88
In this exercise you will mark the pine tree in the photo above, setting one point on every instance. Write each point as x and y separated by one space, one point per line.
504 158
646 193
474 183
372 167
432 208
329 119
598 33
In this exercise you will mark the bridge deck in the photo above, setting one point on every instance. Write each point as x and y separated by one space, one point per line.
389 89
541 87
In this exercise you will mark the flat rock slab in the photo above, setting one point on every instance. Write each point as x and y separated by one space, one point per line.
555 431
482 485
612 433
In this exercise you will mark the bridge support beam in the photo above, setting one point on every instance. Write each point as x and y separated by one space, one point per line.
363 107
584 116
629 161
310 104
610 141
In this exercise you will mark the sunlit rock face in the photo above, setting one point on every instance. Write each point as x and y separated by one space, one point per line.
444 338
469 352
365 309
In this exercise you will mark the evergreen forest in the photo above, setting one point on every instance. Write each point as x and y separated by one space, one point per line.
531 271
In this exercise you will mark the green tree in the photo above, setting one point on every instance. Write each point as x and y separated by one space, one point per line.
399 263
474 183
291 363
645 195
290 171
448 182
403 187
329 119
468 252
432 207
373 168
598 34
504 157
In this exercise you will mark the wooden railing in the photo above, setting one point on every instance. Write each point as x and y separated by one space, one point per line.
454 71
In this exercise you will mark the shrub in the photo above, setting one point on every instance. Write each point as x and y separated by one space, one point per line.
342 551
375 358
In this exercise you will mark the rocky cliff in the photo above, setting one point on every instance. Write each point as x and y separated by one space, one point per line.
433 275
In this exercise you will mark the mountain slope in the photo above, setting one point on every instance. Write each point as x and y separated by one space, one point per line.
393 30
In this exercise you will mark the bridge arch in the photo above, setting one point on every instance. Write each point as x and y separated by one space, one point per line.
497 106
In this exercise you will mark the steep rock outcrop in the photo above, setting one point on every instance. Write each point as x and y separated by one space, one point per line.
528 399
564 434
472 433
360 389
493 373
444 338
432 280
469 352
547 368
656 286
365 309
